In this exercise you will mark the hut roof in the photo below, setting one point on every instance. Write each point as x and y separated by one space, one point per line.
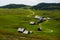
21 29
25 32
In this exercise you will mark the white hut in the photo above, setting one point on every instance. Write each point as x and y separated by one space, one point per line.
37 17
40 29
32 23
41 19
48 18
21 30
26 32
31 32
45 18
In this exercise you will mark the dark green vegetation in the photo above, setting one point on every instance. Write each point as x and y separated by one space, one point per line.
47 6
11 19
15 6
40 6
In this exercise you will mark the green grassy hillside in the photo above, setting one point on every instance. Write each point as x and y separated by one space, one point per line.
11 19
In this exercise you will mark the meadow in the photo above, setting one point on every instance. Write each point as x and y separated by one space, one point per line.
12 19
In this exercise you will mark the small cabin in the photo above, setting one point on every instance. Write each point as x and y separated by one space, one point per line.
37 17
21 30
26 32
48 18
31 32
40 29
41 19
32 23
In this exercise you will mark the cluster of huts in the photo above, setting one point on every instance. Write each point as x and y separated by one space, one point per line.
23 30
40 18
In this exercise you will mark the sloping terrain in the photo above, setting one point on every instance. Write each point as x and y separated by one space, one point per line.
15 6
12 19
47 6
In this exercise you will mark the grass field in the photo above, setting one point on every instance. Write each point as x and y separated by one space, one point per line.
11 19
